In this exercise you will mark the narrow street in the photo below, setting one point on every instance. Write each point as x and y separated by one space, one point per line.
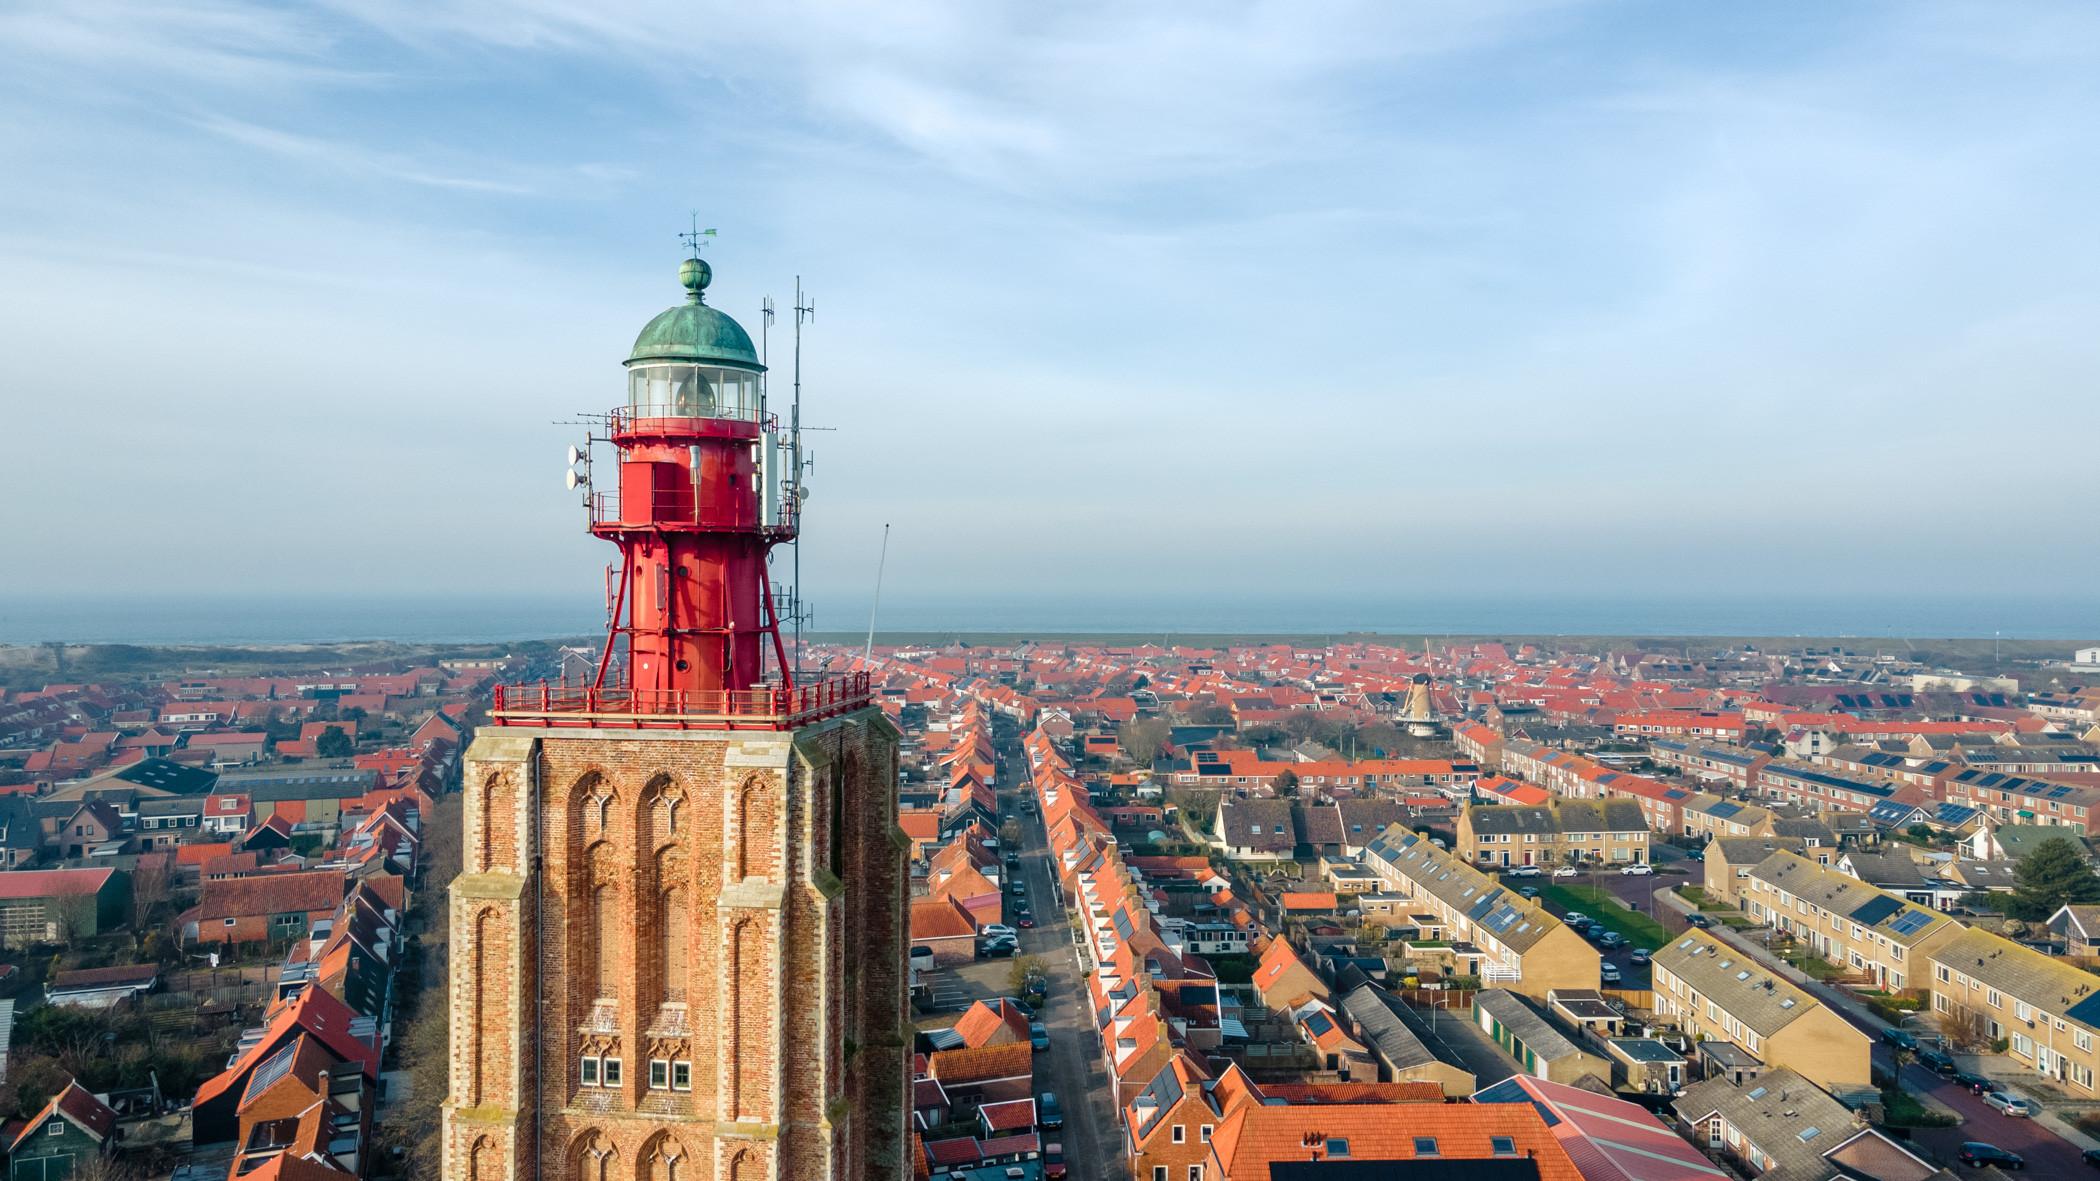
1072 1066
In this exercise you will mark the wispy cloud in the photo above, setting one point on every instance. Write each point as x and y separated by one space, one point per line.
1401 288
350 158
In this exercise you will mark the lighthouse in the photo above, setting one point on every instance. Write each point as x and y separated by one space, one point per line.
705 489
680 928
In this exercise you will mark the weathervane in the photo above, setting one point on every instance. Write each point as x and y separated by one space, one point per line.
692 238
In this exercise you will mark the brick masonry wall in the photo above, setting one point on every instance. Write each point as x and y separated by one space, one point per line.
733 901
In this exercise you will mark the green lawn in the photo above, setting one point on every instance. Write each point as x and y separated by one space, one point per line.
1603 906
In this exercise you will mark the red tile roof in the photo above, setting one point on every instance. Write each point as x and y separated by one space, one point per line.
1254 1136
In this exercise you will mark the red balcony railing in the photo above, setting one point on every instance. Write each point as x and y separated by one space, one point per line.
768 707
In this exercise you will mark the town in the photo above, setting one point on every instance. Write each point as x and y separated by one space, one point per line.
1176 913
1189 914
222 917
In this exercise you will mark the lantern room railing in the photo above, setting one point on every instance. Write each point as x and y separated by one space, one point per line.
766 707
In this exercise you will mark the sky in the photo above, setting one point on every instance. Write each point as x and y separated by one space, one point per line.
1163 302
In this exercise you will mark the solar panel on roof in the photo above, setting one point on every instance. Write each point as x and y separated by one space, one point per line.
1912 922
1876 909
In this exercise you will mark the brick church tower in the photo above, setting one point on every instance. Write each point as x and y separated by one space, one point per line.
679 932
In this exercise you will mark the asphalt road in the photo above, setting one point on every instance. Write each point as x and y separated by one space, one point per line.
1072 1067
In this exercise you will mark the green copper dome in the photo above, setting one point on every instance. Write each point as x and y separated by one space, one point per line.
693 331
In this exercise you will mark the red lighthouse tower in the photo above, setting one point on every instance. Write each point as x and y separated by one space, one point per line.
704 493
706 486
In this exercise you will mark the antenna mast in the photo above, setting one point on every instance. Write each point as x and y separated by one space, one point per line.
867 653
805 309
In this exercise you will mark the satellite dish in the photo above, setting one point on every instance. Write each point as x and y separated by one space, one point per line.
575 455
572 478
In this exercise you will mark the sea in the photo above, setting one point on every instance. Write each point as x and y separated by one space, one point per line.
485 619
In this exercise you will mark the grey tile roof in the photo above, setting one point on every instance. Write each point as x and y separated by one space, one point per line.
1735 982
1380 1026
1747 851
1904 923
1789 1119
1525 1024
1517 922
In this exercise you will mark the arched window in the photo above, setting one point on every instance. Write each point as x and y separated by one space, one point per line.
671 923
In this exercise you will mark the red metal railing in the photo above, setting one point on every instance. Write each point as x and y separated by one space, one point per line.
681 507
768 707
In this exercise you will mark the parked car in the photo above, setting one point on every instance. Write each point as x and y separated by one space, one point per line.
1611 941
1528 891
1576 919
2011 1105
1641 955
1038 1036
2091 1157
1901 1039
996 951
1524 871
1698 920
1054 1160
1939 1062
993 931
922 957
1027 922
1608 973
1567 871
1048 1115
1637 869
1976 1154
1977 1084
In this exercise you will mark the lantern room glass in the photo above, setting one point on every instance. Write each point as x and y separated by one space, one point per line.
691 391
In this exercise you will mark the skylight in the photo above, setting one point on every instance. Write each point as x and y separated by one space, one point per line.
1425 1146
1808 1134
1503 1145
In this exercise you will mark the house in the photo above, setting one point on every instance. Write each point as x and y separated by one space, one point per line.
1283 981
2078 925
997 1022
1729 861
2046 1010
1493 932
315 1024
166 821
1616 1140
228 813
1713 817
93 825
1780 1125
987 1074
1559 832
1168 1125
72 1129
946 926
305 1103
268 908
1710 990
1864 931
55 905
1529 1037
1482 1142
1255 829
